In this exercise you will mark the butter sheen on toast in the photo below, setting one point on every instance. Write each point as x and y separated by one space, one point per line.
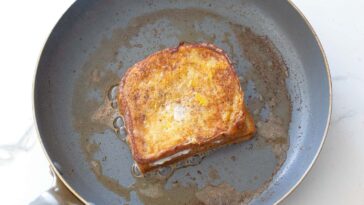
182 101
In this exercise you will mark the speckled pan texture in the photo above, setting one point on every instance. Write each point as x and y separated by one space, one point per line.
280 66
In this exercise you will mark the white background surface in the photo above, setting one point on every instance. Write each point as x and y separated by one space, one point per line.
336 178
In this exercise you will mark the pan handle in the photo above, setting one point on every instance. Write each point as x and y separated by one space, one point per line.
58 194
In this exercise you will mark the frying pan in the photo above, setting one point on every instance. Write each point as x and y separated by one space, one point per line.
270 43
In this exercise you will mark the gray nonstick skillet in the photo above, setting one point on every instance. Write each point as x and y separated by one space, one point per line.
281 66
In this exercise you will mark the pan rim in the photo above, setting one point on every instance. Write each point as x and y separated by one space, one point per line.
327 67
292 189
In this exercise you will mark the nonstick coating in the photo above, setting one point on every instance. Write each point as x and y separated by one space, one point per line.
90 23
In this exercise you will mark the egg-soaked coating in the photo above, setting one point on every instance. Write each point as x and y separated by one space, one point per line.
181 99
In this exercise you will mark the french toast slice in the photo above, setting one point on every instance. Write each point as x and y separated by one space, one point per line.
180 102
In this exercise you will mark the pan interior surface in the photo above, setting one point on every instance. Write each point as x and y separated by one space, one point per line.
281 69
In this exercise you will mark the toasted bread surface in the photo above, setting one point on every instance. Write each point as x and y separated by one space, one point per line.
182 98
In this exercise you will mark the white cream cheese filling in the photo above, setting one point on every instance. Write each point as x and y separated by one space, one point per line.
169 158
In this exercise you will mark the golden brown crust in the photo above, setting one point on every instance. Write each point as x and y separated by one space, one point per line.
140 103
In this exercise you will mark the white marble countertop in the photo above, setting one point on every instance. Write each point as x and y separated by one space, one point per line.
336 178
